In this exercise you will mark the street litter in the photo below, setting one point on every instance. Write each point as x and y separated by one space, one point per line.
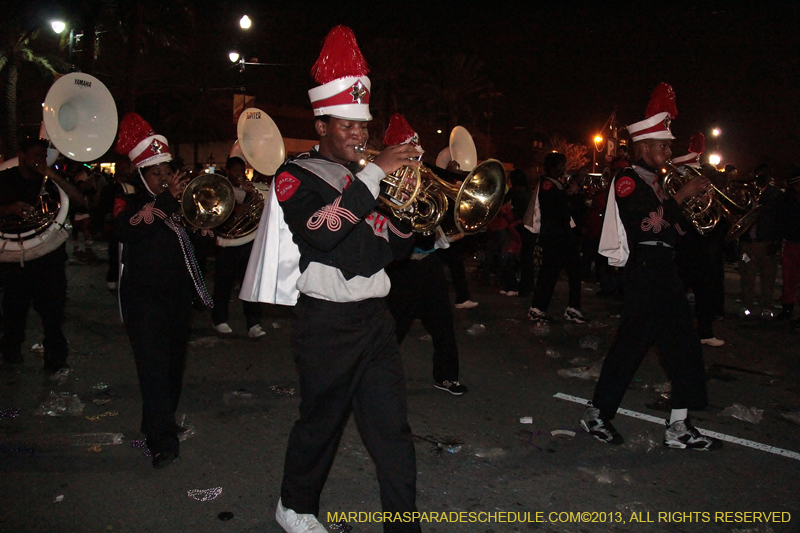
282 391
277 325
541 330
526 420
581 372
748 414
446 444
37 348
642 440
551 353
95 448
601 476
61 404
476 329
562 433
491 453
204 495
95 418
426 337
60 376
792 417
204 341
59 498
589 342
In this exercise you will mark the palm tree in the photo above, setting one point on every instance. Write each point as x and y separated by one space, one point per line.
15 49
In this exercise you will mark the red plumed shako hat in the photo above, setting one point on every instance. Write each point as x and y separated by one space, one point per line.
660 112
341 71
140 143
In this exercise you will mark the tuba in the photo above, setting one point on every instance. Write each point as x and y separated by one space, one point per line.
259 142
80 118
706 210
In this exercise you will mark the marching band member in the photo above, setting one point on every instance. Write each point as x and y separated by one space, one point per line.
344 336
550 216
41 281
639 229
231 262
158 280
419 288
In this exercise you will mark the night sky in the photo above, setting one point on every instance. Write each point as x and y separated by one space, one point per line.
556 68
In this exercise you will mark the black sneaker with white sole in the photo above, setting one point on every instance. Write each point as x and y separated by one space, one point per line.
682 435
600 428
572 314
453 387
539 316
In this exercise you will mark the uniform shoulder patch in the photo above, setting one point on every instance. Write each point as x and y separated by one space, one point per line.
625 185
547 185
285 186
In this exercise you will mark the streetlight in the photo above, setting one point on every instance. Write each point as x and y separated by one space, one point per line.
715 132
597 140
245 22
714 159
234 57
58 26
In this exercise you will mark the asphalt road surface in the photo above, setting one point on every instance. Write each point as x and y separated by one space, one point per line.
481 469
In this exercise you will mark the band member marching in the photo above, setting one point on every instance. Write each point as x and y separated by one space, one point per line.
344 336
159 278
639 230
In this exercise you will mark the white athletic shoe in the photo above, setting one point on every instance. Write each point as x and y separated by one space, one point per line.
256 332
469 304
713 341
297 523
223 328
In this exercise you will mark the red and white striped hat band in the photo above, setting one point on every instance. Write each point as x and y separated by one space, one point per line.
345 98
691 157
150 151
655 127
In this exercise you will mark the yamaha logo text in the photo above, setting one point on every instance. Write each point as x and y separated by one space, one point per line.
83 83
253 115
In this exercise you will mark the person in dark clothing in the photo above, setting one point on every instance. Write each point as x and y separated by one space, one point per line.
656 311
231 262
159 277
113 198
520 195
789 231
559 244
344 337
758 247
37 277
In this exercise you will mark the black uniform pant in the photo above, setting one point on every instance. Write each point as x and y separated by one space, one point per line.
419 290
158 329
701 265
655 312
112 274
347 358
558 252
453 257
231 264
43 283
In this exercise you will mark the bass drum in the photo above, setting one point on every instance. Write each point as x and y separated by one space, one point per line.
21 241
254 207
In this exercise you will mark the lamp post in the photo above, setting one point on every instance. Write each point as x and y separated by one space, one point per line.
597 140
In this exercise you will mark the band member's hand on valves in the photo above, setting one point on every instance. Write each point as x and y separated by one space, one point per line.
693 187
177 183
394 157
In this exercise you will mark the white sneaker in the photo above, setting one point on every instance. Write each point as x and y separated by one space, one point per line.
256 332
713 341
223 328
469 304
297 523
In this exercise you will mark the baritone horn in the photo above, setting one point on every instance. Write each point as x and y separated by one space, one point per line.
402 185
706 210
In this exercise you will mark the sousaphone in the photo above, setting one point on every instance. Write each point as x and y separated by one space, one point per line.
80 118
259 142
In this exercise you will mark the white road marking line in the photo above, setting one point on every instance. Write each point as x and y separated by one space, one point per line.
721 436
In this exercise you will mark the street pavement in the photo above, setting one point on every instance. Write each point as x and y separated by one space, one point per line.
480 468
